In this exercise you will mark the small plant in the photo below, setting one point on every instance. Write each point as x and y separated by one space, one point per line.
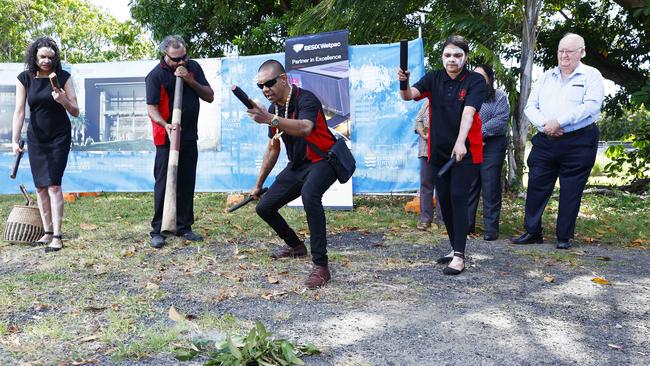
257 348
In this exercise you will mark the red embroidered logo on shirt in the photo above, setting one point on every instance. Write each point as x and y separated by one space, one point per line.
461 94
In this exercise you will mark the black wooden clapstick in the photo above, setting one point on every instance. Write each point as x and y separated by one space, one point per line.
241 95
446 167
247 200
403 61
14 170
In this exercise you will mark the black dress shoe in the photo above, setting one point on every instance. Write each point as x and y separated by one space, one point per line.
563 244
192 236
490 236
528 238
157 241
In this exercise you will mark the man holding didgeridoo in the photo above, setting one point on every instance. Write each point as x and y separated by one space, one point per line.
160 84
296 116
455 95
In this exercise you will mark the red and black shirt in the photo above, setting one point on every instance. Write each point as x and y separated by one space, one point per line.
447 99
160 84
304 105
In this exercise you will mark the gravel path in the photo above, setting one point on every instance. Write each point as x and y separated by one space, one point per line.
514 305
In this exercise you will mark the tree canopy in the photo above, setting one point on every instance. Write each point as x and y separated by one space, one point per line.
84 32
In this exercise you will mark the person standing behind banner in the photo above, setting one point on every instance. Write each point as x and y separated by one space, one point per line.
564 106
455 95
160 84
494 114
296 116
48 133
427 191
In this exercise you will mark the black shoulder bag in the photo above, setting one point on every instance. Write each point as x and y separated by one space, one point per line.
339 157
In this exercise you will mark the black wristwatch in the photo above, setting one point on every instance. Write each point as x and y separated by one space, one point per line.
275 121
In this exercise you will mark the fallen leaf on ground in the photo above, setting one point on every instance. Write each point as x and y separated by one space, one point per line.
89 338
88 227
615 346
128 252
600 280
174 315
272 280
270 295
13 328
152 286
549 279
84 362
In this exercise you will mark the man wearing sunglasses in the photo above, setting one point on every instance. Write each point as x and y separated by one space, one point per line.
298 115
160 84
564 106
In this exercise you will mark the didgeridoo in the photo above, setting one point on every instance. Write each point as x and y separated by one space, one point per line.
403 61
168 225
14 170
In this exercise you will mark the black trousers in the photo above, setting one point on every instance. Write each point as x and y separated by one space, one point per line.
311 181
488 185
186 181
569 157
453 195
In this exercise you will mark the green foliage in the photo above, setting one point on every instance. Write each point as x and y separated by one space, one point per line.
84 32
256 348
617 128
213 28
632 164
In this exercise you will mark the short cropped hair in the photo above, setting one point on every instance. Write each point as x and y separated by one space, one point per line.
274 64
458 41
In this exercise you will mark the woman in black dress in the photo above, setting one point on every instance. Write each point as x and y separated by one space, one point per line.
48 133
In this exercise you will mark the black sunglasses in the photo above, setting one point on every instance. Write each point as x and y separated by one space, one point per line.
269 83
178 59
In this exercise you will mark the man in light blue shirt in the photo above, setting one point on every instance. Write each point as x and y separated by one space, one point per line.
564 106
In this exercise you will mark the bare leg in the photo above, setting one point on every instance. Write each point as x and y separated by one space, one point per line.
56 199
46 213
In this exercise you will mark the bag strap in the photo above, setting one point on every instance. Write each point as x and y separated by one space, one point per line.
317 150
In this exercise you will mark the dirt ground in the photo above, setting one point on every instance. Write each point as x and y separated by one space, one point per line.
389 304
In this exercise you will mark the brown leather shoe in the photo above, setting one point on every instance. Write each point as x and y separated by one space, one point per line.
318 277
290 252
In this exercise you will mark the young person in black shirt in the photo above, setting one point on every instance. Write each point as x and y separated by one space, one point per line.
455 95
295 116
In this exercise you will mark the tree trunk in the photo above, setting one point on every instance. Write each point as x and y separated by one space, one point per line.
520 122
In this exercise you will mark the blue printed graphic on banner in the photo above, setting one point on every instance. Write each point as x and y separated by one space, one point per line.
383 140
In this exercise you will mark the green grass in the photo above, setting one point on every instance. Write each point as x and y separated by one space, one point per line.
110 286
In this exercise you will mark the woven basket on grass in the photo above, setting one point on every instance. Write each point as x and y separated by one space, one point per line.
24 225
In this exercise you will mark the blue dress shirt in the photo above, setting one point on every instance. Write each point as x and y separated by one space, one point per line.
574 102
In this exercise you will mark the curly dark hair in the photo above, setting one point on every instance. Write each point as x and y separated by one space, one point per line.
30 55
491 93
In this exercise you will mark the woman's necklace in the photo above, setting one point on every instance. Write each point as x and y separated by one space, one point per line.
278 133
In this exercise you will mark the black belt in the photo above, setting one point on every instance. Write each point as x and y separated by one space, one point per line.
574 133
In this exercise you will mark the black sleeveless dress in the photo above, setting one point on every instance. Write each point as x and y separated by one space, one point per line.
49 130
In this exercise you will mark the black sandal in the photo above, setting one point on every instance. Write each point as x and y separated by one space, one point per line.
38 242
452 271
444 260
49 249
